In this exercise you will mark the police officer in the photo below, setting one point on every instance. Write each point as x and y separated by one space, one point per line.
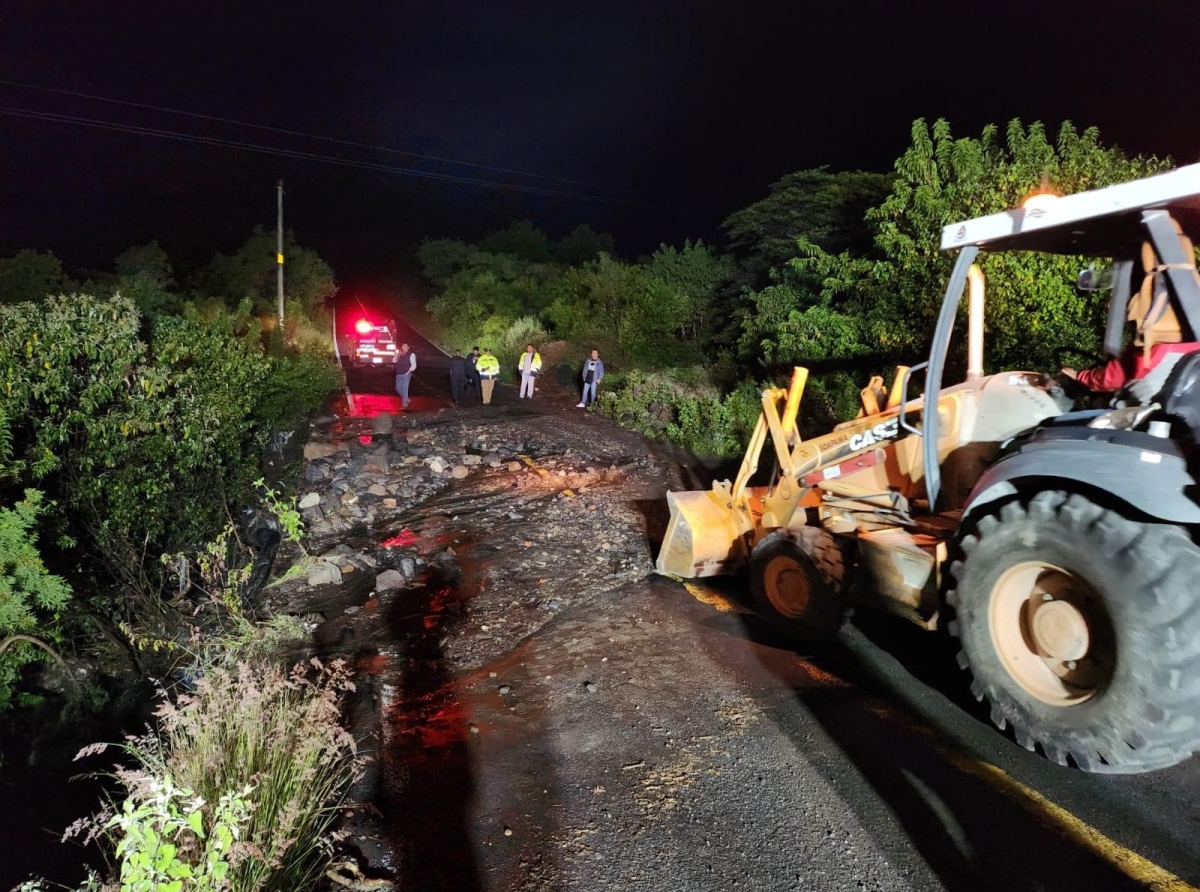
529 366
489 371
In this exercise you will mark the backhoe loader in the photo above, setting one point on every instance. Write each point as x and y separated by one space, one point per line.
1057 545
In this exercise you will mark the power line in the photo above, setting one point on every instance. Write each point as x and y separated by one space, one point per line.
313 136
302 155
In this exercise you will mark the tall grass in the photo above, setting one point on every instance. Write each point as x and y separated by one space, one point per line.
275 733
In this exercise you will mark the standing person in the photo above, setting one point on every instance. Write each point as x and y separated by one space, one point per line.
473 369
458 376
405 364
529 366
593 374
489 369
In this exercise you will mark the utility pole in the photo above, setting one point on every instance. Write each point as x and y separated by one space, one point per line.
279 247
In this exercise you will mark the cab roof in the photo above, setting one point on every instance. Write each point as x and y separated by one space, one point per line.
1101 222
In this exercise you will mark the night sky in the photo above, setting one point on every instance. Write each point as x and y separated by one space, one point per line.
675 113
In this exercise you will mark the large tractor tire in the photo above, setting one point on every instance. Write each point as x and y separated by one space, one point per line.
1081 628
796 578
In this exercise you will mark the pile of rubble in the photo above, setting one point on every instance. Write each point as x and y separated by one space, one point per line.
516 522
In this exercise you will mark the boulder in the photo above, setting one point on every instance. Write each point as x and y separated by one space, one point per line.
437 466
310 500
383 423
315 450
324 573
459 472
376 489
316 472
472 459
514 466
389 580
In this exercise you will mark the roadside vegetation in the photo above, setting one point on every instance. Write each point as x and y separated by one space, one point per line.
135 533
836 271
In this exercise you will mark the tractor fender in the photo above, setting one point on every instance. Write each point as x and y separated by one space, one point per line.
1154 481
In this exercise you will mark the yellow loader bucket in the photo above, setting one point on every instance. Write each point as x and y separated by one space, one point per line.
702 538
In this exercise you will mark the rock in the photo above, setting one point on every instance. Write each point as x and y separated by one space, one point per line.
554 604
389 580
377 461
351 610
459 472
383 423
504 689
411 459
418 451
589 687
408 567
310 500
471 460
315 450
389 503
316 472
437 466
514 466
376 489
492 458
513 515
324 573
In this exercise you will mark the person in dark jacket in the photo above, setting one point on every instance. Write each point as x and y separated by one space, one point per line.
593 374
458 376
405 364
472 371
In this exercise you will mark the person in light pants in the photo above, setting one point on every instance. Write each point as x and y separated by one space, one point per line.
529 366
593 374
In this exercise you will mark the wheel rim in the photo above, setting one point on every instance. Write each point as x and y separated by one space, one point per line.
786 585
1051 632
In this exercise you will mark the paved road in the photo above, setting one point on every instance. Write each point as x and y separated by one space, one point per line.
710 754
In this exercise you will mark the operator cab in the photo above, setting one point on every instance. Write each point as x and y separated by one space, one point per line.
1144 230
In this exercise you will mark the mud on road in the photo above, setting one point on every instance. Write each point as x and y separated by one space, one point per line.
542 712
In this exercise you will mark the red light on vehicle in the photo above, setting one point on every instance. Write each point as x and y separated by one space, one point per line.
362 326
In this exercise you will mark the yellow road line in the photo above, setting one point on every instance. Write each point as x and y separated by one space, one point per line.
1055 817
1051 815
1048 813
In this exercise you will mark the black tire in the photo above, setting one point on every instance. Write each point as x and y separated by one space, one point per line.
1142 706
812 561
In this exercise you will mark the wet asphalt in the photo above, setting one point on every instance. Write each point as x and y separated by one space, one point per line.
658 736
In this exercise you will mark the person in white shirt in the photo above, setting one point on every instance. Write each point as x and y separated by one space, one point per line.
529 366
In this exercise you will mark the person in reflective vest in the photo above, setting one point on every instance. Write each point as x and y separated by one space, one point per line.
488 367
529 366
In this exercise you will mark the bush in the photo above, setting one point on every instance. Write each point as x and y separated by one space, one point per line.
30 597
683 407
255 758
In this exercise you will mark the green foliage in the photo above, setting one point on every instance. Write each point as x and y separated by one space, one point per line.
149 262
142 442
252 270
582 245
690 281
845 307
239 789
521 240
31 598
683 407
823 208
31 276
284 510
164 845
280 733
